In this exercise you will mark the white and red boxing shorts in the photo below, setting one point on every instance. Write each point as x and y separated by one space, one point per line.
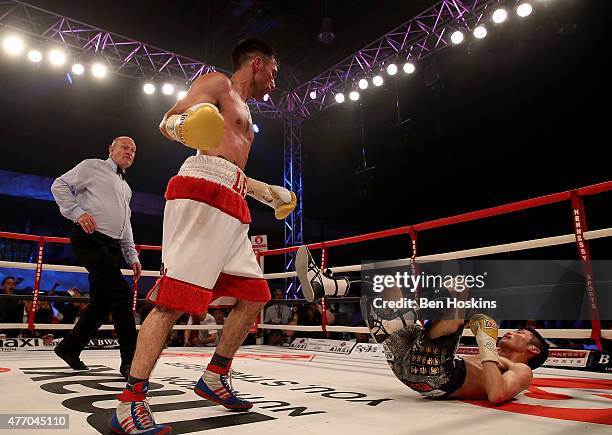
206 251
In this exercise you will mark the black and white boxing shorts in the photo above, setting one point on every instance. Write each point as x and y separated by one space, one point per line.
428 366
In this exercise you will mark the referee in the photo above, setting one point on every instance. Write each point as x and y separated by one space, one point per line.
96 197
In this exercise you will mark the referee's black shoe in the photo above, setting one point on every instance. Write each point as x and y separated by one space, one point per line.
72 360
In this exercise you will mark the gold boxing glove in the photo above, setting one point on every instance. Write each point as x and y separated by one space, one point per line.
199 127
485 330
280 199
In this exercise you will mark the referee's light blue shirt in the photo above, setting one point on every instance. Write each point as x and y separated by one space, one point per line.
94 187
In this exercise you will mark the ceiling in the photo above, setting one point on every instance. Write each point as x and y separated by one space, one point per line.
207 30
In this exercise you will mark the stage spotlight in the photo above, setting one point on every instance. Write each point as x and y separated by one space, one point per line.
480 32
499 16
339 97
524 10
35 56
457 37
354 96
148 88
363 84
57 57
167 89
98 70
266 97
392 69
13 45
181 95
377 80
255 128
78 69
409 68
313 95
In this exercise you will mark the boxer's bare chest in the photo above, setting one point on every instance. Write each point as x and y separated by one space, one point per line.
238 130
237 116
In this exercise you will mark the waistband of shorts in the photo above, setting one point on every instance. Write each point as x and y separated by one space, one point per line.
212 168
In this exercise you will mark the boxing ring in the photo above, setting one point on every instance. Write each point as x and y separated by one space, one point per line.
300 391
326 385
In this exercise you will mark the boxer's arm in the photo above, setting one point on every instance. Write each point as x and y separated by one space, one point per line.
502 387
208 88
280 199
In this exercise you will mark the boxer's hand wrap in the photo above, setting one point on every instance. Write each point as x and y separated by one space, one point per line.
485 330
199 127
280 199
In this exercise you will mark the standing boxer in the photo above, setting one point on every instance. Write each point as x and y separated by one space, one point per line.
205 249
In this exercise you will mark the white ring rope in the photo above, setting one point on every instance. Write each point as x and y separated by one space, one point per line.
547 333
454 255
64 326
63 268
475 252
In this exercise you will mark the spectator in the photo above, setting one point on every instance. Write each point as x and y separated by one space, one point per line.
342 317
219 316
18 281
277 314
69 310
363 337
357 317
176 338
43 315
201 337
10 309
311 315
8 285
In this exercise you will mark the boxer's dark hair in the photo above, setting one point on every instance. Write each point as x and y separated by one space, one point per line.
247 48
539 342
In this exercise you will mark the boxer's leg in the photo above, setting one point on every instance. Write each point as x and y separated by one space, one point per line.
151 340
241 278
215 383
190 273
133 412
440 328
133 415
237 326
381 328
315 282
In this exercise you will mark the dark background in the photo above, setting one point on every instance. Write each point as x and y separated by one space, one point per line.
522 113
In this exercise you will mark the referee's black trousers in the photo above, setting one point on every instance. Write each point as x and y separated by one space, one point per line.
109 293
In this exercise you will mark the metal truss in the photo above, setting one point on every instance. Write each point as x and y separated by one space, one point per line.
416 39
121 55
292 180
